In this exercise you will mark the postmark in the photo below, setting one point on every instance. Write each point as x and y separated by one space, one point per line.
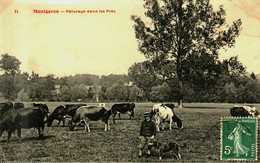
238 138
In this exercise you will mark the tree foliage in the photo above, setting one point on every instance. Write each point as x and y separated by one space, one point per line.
10 66
143 77
179 29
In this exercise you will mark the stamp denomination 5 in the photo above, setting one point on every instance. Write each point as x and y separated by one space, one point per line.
238 138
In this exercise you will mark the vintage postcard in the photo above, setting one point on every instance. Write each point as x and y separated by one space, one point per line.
129 80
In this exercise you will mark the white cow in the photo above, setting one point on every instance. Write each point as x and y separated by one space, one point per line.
162 113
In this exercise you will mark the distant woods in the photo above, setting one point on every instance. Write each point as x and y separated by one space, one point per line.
23 86
206 81
229 83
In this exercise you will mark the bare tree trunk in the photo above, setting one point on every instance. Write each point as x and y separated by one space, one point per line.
180 82
180 52
180 94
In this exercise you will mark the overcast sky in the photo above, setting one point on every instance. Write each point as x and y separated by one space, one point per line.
66 44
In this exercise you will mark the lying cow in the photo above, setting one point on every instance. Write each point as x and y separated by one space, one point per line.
61 112
162 113
123 108
161 149
244 111
90 113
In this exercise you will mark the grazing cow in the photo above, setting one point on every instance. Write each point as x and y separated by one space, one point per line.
123 108
33 117
175 118
161 149
90 113
61 112
244 111
8 119
162 113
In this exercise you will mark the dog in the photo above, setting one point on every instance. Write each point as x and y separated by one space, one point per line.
161 149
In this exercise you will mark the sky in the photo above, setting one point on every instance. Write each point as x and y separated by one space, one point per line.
100 43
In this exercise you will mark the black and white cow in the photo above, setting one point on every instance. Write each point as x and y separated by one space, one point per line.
86 114
123 108
244 111
61 112
162 113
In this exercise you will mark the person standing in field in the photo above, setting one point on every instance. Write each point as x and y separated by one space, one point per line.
147 134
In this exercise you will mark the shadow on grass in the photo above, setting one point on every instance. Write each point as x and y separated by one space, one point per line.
37 138
27 139
202 107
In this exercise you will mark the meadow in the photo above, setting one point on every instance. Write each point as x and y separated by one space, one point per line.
199 139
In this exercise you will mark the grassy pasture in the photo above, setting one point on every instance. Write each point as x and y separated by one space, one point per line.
199 138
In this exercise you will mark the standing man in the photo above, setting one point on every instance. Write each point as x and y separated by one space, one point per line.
147 133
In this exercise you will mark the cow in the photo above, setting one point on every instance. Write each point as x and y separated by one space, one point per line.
123 108
244 111
33 117
162 113
90 113
61 112
8 119
162 148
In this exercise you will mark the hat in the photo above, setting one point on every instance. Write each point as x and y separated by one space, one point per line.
146 114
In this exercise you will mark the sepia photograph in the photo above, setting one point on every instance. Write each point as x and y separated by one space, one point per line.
129 80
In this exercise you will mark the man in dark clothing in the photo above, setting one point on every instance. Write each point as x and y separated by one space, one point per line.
147 133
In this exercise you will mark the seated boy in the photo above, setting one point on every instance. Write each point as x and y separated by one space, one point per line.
147 133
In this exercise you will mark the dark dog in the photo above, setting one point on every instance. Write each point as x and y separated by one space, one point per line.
161 149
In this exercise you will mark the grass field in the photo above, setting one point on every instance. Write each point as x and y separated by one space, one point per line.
199 138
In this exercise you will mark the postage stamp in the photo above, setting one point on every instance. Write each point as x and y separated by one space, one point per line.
238 138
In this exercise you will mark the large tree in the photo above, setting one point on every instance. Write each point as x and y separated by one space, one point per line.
10 67
176 29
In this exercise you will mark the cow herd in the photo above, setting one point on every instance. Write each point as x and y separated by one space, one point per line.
15 116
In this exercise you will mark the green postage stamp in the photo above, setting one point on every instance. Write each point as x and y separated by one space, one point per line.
238 138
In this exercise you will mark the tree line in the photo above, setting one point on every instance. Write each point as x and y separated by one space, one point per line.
23 86
221 81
